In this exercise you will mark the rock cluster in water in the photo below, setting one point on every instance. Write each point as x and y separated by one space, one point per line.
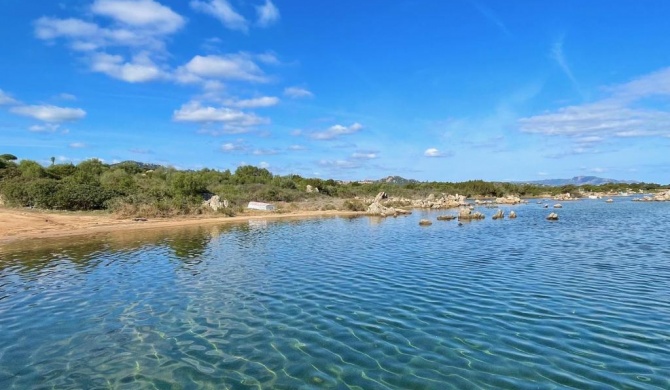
499 215
467 215
660 197
376 207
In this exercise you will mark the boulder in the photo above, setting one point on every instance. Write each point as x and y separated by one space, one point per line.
511 199
552 217
309 189
499 215
558 206
512 214
425 222
610 200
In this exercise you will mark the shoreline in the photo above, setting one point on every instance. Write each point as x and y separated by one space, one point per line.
27 224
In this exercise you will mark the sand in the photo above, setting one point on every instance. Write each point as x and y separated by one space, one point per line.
21 224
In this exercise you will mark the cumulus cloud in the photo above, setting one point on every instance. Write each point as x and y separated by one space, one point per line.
49 113
264 101
141 69
227 67
5 99
336 131
297 93
223 11
622 113
140 13
268 14
195 112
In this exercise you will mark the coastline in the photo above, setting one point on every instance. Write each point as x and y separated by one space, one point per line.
28 224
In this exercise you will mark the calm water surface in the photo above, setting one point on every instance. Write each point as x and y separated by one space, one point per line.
362 303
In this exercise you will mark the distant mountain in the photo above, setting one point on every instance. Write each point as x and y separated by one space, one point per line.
397 180
579 181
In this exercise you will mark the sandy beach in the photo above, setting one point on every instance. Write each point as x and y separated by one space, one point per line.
21 224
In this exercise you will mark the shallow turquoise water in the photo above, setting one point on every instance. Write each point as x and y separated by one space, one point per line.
361 303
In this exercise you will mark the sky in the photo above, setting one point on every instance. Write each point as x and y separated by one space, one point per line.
438 90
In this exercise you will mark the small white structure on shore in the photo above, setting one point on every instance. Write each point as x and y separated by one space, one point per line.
261 206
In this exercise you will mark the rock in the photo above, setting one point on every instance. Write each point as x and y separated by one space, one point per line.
309 189
552 217
467 215
226 204
431 197
425 222
499 215
446 217
558 206
214 203
565 196
546 206
512 214
610 200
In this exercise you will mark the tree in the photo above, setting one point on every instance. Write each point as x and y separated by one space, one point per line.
8 157
53 160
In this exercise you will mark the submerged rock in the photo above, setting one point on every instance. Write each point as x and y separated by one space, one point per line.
446 217
512 214
425 222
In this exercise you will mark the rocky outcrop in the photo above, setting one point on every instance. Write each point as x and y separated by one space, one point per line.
499 215
511 199
552 217
660 197
466 214
565 196
309 189
380 196
425 222
444 201
512 214
376 208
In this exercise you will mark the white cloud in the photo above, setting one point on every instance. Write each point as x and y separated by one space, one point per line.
232 147
598 170
264 164
558 55
336 131
5 99
48 113
141 69
268 14
339 164
45 128
265 152
223 11
297 147
195 112
140 13
365 155
297 92
623 113
264 101
77 145
230 66
432 152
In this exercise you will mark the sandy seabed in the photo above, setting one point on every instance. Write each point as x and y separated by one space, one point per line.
20 224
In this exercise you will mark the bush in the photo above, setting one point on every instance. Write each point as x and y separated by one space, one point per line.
76 196
355 205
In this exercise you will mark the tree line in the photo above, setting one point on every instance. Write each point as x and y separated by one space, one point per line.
132 188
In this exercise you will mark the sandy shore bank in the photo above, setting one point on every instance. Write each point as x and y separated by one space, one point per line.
21 224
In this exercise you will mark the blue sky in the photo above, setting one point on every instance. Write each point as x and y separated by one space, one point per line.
432 90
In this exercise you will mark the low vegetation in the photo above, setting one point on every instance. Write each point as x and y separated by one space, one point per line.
136 189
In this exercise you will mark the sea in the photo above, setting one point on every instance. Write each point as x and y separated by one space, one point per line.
348 303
